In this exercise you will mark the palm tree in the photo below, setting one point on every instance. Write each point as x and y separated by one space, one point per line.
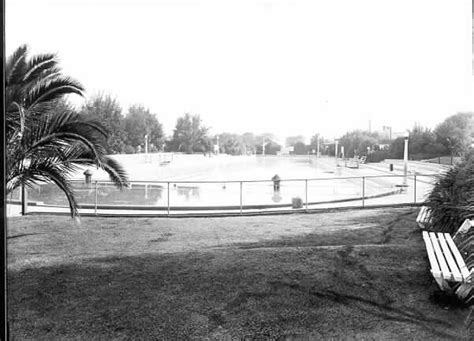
44 144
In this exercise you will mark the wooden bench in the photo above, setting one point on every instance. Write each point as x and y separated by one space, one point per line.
447 265
423 219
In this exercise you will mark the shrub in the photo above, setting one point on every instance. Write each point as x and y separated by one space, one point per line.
129 149
378 155
451 200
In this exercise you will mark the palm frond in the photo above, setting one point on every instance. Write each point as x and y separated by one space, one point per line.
55 141
47 142
15 66
52 88
39 65
48 171
116 172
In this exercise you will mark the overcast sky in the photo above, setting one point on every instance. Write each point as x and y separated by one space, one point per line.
288 67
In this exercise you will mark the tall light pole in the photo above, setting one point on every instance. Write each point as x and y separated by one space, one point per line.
389 128
317 146
405 161
450 146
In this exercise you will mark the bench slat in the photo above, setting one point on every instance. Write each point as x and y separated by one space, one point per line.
431 256
439 255
449 258
462 265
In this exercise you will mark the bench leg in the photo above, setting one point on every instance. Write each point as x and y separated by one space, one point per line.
443 284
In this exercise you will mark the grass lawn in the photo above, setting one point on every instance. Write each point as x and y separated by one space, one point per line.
360 274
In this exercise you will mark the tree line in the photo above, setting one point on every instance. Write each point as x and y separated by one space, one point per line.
454 136
127 132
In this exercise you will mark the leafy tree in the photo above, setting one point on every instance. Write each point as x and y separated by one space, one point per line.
300 148
357 141
313 144
140 122
396 148
271 146
231 144
456 132
422 144
297 142
249 141
43 143
189 135
291 141
108 112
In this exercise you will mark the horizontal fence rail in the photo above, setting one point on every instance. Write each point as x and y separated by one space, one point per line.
234 196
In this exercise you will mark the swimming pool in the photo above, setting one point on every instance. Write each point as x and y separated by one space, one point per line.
197 182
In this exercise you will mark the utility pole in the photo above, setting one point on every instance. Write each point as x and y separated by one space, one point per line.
389 128
405 162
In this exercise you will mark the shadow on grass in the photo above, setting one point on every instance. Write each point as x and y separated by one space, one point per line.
23 235
233 293
245 291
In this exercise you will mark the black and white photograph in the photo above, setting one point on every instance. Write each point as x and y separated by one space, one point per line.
238 170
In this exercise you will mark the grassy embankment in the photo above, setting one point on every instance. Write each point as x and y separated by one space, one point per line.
352 274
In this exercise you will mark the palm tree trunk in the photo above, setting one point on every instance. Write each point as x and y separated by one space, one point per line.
24 200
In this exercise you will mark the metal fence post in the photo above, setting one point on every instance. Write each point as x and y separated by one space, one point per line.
24 200
96 196
414 189
363 191
241 197
306 193
168 198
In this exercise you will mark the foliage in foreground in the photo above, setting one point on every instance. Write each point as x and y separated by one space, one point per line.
452 199
47 141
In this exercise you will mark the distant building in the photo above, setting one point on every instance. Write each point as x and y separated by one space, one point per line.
286 150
